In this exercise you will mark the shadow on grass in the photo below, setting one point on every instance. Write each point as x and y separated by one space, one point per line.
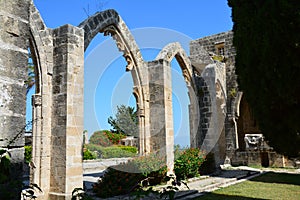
274 177
213 196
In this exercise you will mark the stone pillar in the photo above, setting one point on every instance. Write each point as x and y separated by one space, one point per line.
36 142
67 113
13 73
161 113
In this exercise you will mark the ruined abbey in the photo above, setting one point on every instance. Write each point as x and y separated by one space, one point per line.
221 122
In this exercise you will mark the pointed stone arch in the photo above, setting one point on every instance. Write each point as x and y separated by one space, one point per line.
175 50
40 41
110 23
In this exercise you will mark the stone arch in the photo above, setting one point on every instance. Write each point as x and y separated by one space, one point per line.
168 53
110 23
175 50
40 42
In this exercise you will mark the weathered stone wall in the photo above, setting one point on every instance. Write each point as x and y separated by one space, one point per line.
14 32
212 44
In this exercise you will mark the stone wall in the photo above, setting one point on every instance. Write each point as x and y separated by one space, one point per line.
14 33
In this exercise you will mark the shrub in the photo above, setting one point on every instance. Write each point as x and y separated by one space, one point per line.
188 163
114 138
100 138
28 154
89 155
125 177
113 151
129 149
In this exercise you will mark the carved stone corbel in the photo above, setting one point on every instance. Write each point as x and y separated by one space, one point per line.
122 46
36 100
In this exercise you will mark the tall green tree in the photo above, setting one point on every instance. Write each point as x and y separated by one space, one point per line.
125 121
267 42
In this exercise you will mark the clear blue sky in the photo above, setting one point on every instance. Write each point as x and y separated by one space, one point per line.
154 24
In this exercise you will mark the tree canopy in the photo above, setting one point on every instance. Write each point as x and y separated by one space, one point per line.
267 42
125 121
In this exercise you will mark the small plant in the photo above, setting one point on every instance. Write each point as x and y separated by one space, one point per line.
80 194
170 190
88 155
188 163
28 154
29 191
124 178
114 138
232 92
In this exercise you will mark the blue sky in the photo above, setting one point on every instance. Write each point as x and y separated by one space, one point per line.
153 24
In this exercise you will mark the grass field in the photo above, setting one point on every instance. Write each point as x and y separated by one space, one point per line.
270 185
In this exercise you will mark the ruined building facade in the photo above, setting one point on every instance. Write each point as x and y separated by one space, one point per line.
219 116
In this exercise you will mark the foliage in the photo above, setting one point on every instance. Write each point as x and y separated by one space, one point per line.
267 42
188 163
128 148
100 138
117 182
4 166
28 154
8 187
113 151
80 194
29 191
125 121
114 138
166 192
89 155
125 178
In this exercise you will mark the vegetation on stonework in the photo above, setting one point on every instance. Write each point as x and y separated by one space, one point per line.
187 165
28 154
267 43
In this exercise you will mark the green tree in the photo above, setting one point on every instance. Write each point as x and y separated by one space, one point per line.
125 121
267 42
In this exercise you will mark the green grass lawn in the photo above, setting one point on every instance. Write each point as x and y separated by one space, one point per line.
270 185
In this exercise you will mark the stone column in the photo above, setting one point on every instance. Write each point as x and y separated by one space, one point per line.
67 113
161 113
13 73
36 142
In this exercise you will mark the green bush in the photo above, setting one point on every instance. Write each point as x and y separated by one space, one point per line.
188 163
100 138
125 177
28 154
89 155
129 149
114 138
113 151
